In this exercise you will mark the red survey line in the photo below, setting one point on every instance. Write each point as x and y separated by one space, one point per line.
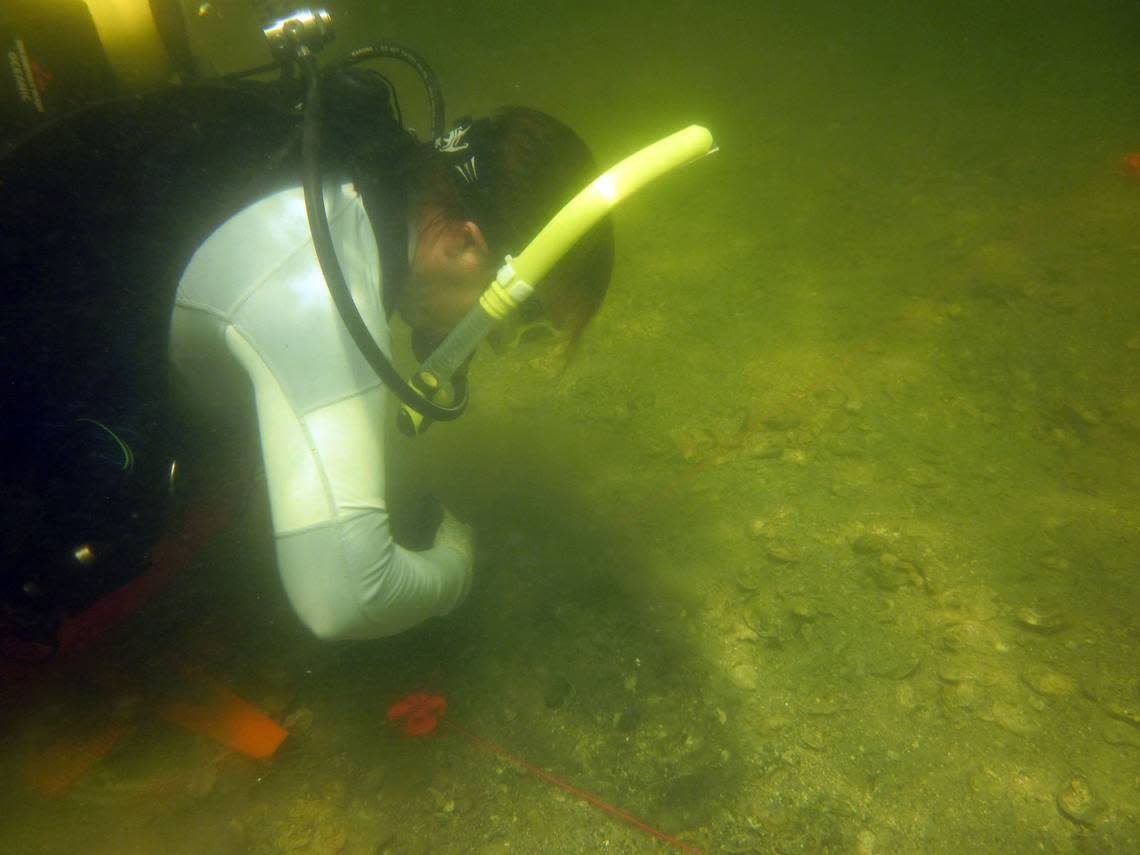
570 788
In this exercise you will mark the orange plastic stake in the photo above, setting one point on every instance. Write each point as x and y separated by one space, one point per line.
225 717
61 764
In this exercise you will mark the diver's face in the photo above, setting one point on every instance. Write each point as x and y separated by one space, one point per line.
449 272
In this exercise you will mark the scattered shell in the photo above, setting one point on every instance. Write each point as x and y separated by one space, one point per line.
781 421
822 706
773 724
762 447
744 677
783 551
892 661
558 691
749 580
1122 712
1049 683
1077 802
979 670
765 625
972 635
1013 719
870 543
959 696
811 737
796 455
803 610
743 632
693 443
1044 621
1119 733
922 476
890 574
299 721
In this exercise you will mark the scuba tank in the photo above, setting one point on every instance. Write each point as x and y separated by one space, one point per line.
60 55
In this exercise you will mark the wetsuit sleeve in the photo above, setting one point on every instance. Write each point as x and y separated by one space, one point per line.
321 416
344 574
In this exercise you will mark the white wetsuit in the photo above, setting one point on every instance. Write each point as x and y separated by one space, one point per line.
253 296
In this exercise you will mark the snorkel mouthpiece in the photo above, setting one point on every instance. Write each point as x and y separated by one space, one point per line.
514 282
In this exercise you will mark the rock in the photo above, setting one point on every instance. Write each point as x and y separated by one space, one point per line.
1077 802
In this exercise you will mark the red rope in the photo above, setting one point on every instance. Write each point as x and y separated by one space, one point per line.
582 794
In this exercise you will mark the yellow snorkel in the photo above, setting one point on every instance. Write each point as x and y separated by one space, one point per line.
516 279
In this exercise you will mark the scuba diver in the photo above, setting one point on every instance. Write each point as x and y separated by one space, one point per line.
253 296
256 238
104 286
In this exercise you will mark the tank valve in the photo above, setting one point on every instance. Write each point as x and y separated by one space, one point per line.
300 33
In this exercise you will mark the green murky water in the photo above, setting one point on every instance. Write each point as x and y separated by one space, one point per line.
827 541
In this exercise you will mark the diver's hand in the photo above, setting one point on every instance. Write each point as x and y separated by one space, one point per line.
453 534
457 537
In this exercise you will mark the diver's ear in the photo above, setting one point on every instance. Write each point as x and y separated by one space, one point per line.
474 236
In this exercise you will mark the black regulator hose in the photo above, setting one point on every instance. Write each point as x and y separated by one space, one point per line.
330 266
417 62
